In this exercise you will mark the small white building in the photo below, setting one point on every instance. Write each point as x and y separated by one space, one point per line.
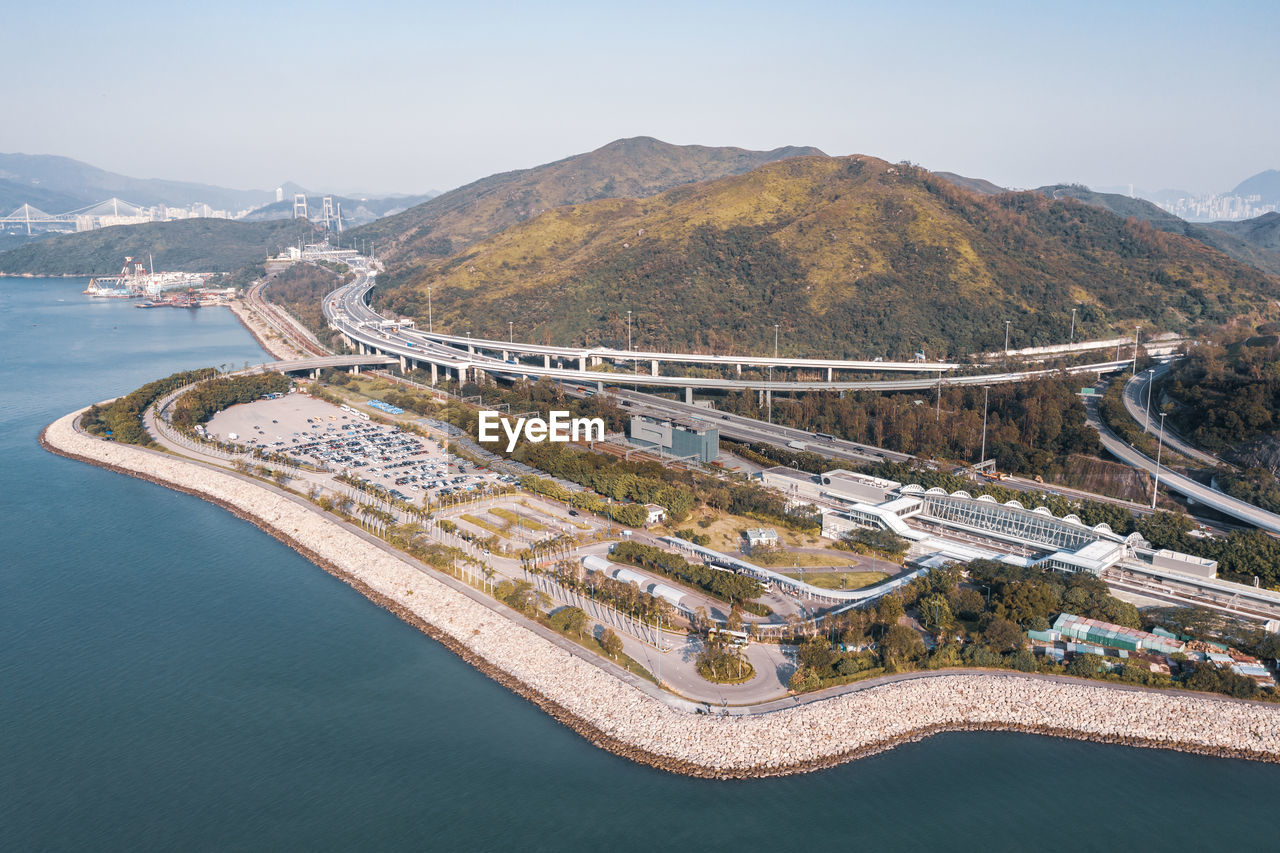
761 537
656 514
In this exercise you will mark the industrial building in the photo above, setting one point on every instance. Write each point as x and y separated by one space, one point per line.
1080 629
681 438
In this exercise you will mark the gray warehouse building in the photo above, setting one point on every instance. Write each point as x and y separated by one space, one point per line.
678 437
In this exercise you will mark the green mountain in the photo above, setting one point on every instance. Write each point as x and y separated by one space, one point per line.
193 245
851 256
628 168
1226 237
1261 231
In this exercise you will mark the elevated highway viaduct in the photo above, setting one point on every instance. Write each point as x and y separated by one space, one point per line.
368 332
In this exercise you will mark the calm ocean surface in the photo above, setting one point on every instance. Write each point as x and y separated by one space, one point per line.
171 677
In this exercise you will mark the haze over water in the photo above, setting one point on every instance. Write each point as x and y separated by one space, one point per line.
172 677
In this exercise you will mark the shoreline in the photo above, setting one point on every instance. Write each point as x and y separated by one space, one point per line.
617 717
260 332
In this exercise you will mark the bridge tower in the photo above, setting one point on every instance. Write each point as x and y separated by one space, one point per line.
299 206
326 217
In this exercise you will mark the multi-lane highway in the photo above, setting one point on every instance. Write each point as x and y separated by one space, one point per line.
1136 395
744 429
348 312
1183 485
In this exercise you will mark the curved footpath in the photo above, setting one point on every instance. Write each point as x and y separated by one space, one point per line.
617 716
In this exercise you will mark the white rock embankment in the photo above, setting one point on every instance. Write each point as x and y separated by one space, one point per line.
621 718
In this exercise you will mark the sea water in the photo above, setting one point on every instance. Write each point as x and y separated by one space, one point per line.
172 677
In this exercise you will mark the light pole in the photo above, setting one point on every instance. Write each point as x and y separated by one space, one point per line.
628 331
1151 372
430 325
511 334
1073 325
986 391
1006 336
1136 331
1155 490
769 392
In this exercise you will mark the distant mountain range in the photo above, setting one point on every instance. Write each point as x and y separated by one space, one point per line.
1252 241
1249 199
60 185
1265 184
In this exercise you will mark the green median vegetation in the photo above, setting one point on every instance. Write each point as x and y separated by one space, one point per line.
723 663
727 586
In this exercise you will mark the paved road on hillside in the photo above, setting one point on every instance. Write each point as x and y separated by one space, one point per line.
1176 482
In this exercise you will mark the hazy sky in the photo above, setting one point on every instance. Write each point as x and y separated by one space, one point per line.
406 97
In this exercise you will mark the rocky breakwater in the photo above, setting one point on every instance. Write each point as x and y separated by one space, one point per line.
617 716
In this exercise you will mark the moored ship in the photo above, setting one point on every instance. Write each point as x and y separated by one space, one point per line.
135 282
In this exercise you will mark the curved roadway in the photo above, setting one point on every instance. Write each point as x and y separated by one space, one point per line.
347 311
1185 486
1135 391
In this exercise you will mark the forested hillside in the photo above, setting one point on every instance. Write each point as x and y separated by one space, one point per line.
1226 396
1253 241
852 256
192 245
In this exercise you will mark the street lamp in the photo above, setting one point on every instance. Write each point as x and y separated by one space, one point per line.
430 325
769 391
1073 325
511 334
1006 336
628 331
1151 372
986 391
1155 490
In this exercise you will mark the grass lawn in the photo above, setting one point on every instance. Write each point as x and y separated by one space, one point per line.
725 531
481 523
834 580
793 558
516 518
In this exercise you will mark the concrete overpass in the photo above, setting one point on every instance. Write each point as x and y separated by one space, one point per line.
314 365
367 331
592 356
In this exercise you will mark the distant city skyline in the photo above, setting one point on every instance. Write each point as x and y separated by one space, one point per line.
397 97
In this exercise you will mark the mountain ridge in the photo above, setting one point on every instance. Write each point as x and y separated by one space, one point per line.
635 167
855 256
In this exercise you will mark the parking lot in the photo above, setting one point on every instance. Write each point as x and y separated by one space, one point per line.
409 466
